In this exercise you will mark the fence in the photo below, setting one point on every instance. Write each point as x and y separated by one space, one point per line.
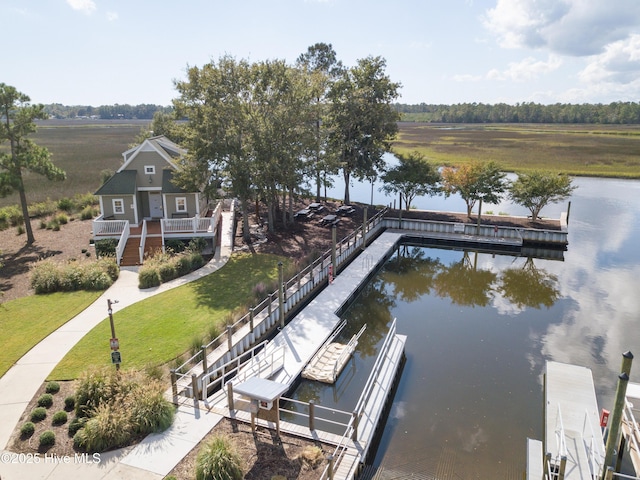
260 320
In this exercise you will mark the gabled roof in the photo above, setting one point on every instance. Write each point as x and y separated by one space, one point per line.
167 184
160 144
122 183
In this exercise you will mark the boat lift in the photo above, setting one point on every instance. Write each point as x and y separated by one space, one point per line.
331 358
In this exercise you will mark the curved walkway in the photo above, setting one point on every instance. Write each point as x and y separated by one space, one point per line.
21 382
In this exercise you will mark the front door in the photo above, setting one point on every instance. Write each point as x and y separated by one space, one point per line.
155 204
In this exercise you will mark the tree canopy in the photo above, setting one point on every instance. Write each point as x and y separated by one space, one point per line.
412 177
538 189
18 115
475 181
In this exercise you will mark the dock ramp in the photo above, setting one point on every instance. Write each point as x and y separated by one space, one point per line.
331 358
631 424
573 439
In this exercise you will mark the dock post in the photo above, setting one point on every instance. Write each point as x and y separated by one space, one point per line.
229 338
194 387
312 410
203 351
281 294
627 359
547 462
230 396
333 249
330 469
563 467
354 435
609 474
174 386
364 228
252 313
616 419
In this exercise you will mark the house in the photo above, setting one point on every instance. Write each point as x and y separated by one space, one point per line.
142 207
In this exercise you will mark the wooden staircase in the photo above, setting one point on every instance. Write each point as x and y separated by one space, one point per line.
131 255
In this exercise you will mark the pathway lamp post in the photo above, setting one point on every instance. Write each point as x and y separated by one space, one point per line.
115 345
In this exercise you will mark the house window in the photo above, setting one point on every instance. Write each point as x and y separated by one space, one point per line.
149 170
181 204
118 206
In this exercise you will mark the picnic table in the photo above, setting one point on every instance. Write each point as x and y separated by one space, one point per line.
316 207
345 210
305 212
329 220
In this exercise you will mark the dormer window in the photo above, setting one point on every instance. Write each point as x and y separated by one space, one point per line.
149 169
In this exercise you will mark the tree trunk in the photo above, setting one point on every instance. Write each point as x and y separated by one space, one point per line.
346 176
25 213
246 235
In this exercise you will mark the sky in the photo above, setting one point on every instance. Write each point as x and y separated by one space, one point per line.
103 52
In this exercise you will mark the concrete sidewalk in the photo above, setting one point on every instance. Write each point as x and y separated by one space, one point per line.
19 385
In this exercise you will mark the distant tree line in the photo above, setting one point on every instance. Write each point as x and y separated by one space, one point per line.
106 112
527 112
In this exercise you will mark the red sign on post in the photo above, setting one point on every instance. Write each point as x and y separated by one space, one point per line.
115 344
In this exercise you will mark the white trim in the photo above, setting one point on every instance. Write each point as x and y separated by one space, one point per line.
149 189
147 146
149 169
101 205
197 199
117 211
134 205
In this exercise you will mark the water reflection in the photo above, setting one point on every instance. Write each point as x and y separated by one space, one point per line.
480 327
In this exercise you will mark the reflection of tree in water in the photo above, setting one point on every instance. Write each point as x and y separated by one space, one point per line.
464 283
373 308
529 286
410 274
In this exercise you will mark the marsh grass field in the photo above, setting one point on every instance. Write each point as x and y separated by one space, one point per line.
585 150
84 148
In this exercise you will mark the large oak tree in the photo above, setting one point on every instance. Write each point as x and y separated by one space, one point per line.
535 190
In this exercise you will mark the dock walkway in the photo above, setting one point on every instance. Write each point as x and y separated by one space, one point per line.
631 424
572 422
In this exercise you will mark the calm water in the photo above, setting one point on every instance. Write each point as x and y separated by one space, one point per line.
480 327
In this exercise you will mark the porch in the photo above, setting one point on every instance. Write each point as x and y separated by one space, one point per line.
137 241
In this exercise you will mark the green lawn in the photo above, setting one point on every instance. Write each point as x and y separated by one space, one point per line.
26 321
161 328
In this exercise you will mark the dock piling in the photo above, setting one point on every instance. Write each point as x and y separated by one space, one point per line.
281 293
616 420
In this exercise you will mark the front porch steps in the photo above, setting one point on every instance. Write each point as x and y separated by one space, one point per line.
131 255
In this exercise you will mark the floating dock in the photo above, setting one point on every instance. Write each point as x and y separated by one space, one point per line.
573 441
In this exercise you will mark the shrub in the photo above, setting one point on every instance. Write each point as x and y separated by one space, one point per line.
150 411
167 271
27 429
38 414
148 277
42 209
106 247
69 403
88 213
44 277
54 225
47 438
95 386
59 418
197 245
197 261
52 387
48 276
108 428
66 204
79 439
183 265
43 224
83 200
175 246
62 219
20 230
218 460
45 400
76 424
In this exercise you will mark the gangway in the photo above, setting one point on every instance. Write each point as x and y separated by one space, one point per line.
331 358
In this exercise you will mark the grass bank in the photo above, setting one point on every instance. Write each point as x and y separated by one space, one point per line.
585 150
162 328
26 321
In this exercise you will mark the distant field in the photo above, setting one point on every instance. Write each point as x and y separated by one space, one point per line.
82 148
589 150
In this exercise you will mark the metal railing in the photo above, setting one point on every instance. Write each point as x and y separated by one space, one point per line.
348 351
259 320
594 446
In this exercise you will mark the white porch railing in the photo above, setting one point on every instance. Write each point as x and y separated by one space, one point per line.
143 240
122 242
105 228
189 225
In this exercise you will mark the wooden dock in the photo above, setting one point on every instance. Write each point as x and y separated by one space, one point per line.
572 422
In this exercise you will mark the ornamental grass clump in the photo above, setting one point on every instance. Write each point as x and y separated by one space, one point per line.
218 460
45 400
47 438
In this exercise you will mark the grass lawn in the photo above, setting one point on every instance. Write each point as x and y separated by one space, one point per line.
162 328
26 321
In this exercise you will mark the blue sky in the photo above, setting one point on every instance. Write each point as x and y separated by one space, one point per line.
95 52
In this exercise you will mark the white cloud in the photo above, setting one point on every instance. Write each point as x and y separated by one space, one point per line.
569 27
526 69
85 6
112 16
620 63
